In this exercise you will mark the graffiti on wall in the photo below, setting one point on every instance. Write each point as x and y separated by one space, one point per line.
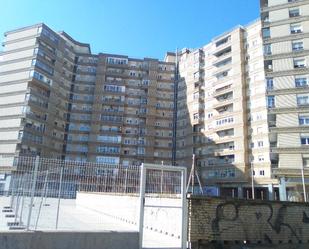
263 221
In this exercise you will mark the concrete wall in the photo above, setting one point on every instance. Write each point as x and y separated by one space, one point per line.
256 222
68 240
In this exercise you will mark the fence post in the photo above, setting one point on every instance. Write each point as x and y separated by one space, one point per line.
22 207
17 203
42 197
161 186
141 204
59 196
184 212
13 183
125 181
35 175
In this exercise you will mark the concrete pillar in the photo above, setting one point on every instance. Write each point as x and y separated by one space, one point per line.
270 192
240 192
282 189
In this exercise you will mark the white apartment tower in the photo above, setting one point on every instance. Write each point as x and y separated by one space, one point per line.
222 113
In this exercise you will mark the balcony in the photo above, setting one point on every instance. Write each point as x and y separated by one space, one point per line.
222 90
272 124
224 151
229 159
223 111
223 51
221 70
113 110
222 103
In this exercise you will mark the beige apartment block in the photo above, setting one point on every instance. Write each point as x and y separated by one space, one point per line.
59 100
240 104
222 113
286 47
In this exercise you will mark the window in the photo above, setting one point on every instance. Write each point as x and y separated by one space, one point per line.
42 66
269 83
296 28
306 161
301 81
299 63
259 116
108 160
303 100
271 101
259 129
196 75
225 121
145 82
262 173
195 116
266 33
196 95
40 77
140 150
108 149
304 140
260 144
294 12
297 45
261 158
114 88
119 61
84 127
268 65
267 49
303 120
109 139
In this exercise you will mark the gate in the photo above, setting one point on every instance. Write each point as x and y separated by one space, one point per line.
163 205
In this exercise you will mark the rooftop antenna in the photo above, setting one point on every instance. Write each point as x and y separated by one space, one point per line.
193 174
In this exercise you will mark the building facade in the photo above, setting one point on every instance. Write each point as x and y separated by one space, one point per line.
222 113
59 100
286 47
240 104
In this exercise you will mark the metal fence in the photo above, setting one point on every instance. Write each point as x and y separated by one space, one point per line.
43 191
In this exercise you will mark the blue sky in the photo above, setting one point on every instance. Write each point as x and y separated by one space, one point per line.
138 28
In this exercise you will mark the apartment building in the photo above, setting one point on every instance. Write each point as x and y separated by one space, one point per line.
222 113
240 104
286 47
59 100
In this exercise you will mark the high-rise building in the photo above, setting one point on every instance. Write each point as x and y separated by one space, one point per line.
240 104
285 31
59 100
222 113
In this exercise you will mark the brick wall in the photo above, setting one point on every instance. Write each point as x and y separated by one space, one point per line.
232 221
